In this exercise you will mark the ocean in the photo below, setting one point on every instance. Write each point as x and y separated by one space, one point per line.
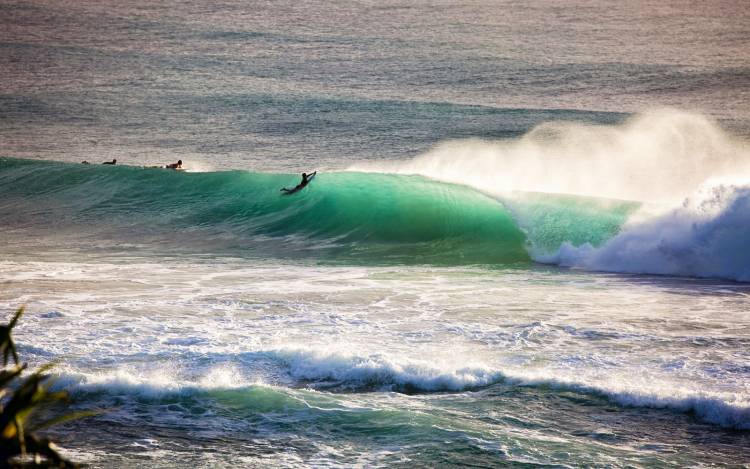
527 244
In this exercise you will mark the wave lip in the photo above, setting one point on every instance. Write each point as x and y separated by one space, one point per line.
153 384
381 372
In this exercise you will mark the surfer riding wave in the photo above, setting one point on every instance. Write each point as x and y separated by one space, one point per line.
306 178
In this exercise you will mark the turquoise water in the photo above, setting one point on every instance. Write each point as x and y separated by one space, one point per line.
408 219
525 244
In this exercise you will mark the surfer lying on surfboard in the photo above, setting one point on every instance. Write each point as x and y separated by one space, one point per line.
306 178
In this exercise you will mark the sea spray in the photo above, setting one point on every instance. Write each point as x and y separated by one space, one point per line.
657 156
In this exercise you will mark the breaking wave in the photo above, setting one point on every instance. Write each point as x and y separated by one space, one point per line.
336 371
649 195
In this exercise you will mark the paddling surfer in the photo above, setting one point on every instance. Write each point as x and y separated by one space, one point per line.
177 165
305 181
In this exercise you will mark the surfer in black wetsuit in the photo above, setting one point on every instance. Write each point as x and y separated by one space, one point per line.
177 165
305 180
114 161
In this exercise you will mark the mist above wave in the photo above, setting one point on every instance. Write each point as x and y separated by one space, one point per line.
656 156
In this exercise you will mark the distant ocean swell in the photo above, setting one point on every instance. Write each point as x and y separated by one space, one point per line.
353 372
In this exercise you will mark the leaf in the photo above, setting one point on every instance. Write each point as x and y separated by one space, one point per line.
10 430
7 346
19 398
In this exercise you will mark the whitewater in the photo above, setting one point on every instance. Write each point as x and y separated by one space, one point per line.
526 243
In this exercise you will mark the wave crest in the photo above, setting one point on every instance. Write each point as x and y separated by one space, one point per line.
332 370
345 370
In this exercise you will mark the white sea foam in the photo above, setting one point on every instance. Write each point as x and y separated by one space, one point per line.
197 165
383 370
150 383
727 409
325 368
706 236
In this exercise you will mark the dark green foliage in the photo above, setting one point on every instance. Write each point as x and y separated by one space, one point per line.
7 347
20 397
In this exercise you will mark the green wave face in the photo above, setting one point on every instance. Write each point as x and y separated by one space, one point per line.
340 217
549 220
348 217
